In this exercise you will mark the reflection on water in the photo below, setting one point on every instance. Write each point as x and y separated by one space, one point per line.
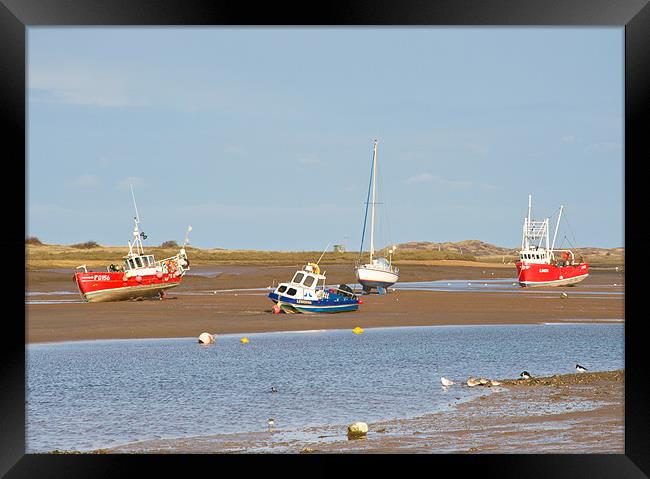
86 395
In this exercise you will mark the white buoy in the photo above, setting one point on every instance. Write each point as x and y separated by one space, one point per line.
357 430
206 338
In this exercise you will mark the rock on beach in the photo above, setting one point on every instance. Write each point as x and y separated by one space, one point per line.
357 430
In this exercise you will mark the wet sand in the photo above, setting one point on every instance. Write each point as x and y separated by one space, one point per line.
572 413
566 414
204 302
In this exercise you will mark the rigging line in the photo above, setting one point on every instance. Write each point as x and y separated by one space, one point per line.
566 220
365 217
385 230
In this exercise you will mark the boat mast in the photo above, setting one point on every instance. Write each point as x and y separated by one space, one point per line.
137 241
372 214
557 226
524 239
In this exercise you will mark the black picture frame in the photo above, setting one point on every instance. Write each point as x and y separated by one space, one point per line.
17 15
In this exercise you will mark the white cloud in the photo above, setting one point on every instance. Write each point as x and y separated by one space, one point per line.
421 178
603 146
130 181
569 139
84 181
79 86
233 150
440 182
309 159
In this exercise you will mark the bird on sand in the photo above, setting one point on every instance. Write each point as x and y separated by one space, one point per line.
525 375
472 381
580 369
446 382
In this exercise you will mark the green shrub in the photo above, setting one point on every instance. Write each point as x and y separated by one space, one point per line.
86 245
33 240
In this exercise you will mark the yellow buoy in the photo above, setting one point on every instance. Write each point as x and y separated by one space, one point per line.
357 330
244 340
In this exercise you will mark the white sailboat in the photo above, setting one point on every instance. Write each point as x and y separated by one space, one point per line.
378 272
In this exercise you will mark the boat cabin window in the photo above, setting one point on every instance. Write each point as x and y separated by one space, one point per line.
129 264
138 261
298 277
309 281
282 289
291 292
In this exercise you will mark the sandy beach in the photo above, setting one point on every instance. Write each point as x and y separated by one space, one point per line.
577 413
205 302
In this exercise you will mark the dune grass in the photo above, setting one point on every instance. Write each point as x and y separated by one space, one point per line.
40 256
60 256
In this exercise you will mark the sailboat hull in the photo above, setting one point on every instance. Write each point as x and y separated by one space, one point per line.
375 278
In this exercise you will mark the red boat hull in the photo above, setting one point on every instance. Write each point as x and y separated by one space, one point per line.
108 286
532 274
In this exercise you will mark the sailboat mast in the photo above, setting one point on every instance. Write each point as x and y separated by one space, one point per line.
372 214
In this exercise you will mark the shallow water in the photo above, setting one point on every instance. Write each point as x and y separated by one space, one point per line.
496 286
99 394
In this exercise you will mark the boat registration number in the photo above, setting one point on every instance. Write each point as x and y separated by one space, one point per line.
302 301
97 277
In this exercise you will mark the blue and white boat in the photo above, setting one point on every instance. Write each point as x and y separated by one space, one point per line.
307 293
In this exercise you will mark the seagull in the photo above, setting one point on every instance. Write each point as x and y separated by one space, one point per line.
271 423
580 369
446 382
525 375
273 390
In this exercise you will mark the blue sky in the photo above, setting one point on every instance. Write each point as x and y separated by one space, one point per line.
262 137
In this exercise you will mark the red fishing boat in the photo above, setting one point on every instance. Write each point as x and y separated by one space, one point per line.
541 265
140 276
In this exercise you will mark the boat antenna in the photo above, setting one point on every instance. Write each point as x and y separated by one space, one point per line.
137 235
137 216
321 256
557 226
187 236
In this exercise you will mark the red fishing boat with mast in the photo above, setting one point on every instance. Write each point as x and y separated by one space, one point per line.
538 264
140 276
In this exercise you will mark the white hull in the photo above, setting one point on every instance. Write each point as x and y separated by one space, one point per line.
372 278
